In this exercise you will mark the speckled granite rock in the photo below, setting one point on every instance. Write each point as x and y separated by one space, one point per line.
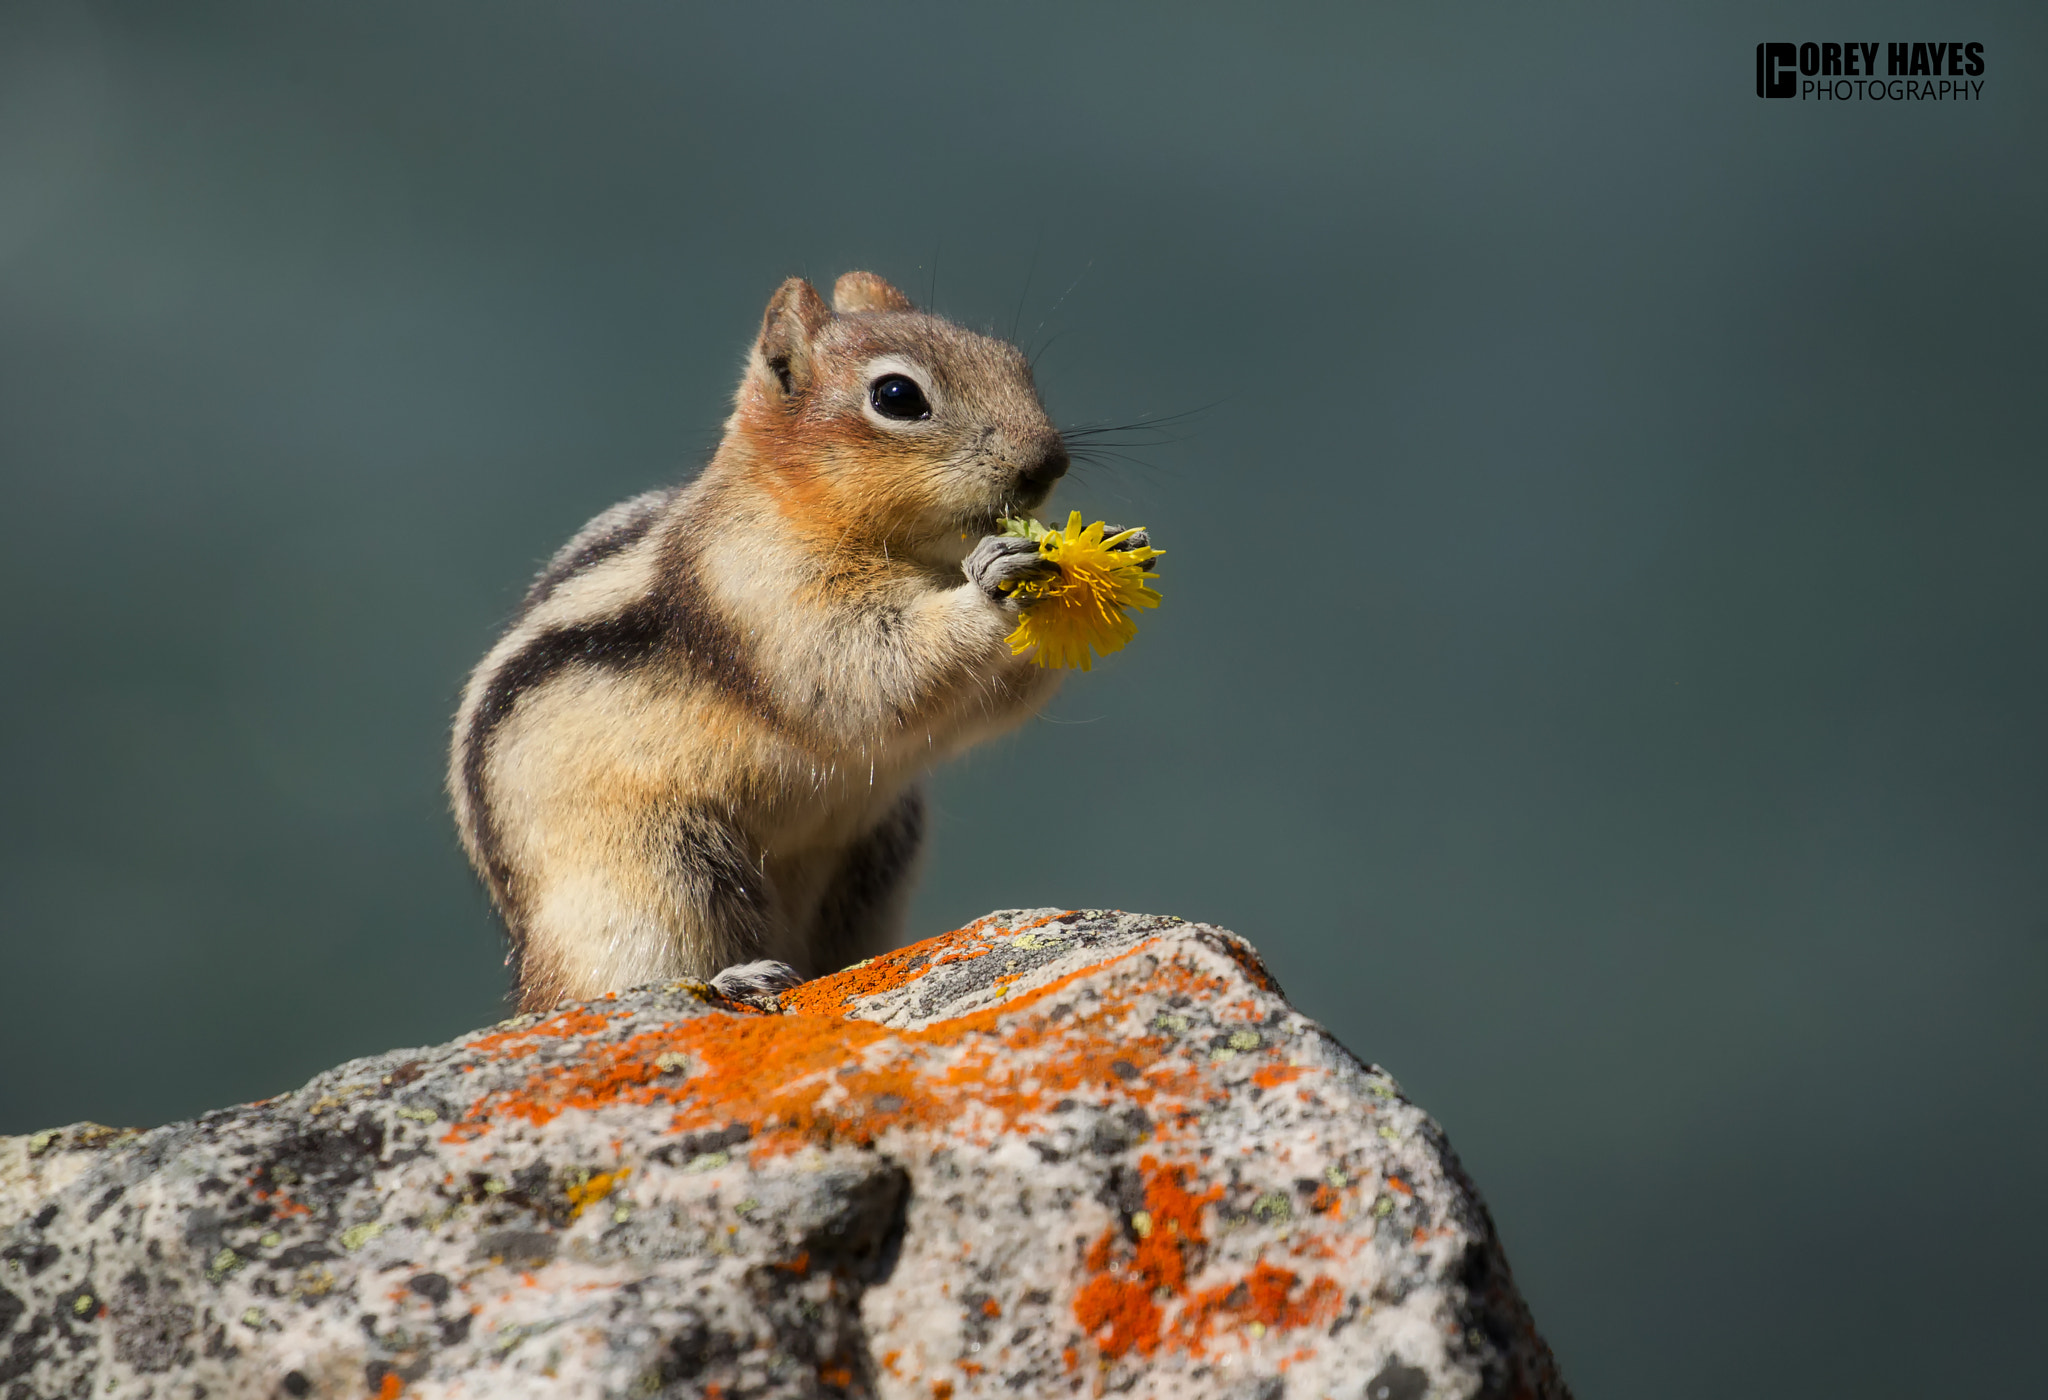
1049 1154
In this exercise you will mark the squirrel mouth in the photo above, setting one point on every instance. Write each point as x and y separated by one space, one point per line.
1022 499
1027 496
984 522
1014 502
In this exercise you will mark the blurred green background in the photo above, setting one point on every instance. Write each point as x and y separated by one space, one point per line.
1602 664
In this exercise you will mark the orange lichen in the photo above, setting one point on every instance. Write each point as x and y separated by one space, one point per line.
280 1204
1124 1305
814 1076
1119 1315
1394 1183
1265 1296
1117 1306
988 921
391 1387
563 1025
1311 1245
800 1078
825 996
1244 957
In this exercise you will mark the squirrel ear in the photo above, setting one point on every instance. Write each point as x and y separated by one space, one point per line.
863 291
781 362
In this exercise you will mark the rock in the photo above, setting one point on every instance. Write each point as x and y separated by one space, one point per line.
1053 1153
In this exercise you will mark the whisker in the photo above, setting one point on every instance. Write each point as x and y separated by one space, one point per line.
1061 302
1102 458
1151 431
1113 447
1017 319
1050 341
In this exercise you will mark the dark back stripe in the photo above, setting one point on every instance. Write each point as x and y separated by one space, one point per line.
677 626
709 645
618 643
623 536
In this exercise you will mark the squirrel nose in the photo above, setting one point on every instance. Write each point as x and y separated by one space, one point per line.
1039 476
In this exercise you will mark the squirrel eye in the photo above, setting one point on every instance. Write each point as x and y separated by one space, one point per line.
897 396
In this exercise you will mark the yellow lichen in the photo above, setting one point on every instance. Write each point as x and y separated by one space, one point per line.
356 1236
594 1189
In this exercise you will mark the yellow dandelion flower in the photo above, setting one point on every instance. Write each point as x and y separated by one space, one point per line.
1087 605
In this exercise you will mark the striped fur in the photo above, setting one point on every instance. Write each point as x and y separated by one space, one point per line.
699 742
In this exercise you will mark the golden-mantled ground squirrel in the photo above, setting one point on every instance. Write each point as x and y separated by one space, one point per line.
697 748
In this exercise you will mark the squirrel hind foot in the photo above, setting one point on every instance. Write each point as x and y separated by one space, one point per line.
756 981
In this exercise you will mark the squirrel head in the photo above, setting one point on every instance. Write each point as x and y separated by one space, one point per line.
872 422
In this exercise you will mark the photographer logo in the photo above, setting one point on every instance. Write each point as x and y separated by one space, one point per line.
1945 72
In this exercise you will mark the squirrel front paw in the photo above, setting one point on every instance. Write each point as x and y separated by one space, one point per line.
1000 562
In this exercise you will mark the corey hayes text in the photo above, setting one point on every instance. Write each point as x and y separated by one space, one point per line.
1848 72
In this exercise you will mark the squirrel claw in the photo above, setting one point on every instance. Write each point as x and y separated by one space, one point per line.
1000 562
